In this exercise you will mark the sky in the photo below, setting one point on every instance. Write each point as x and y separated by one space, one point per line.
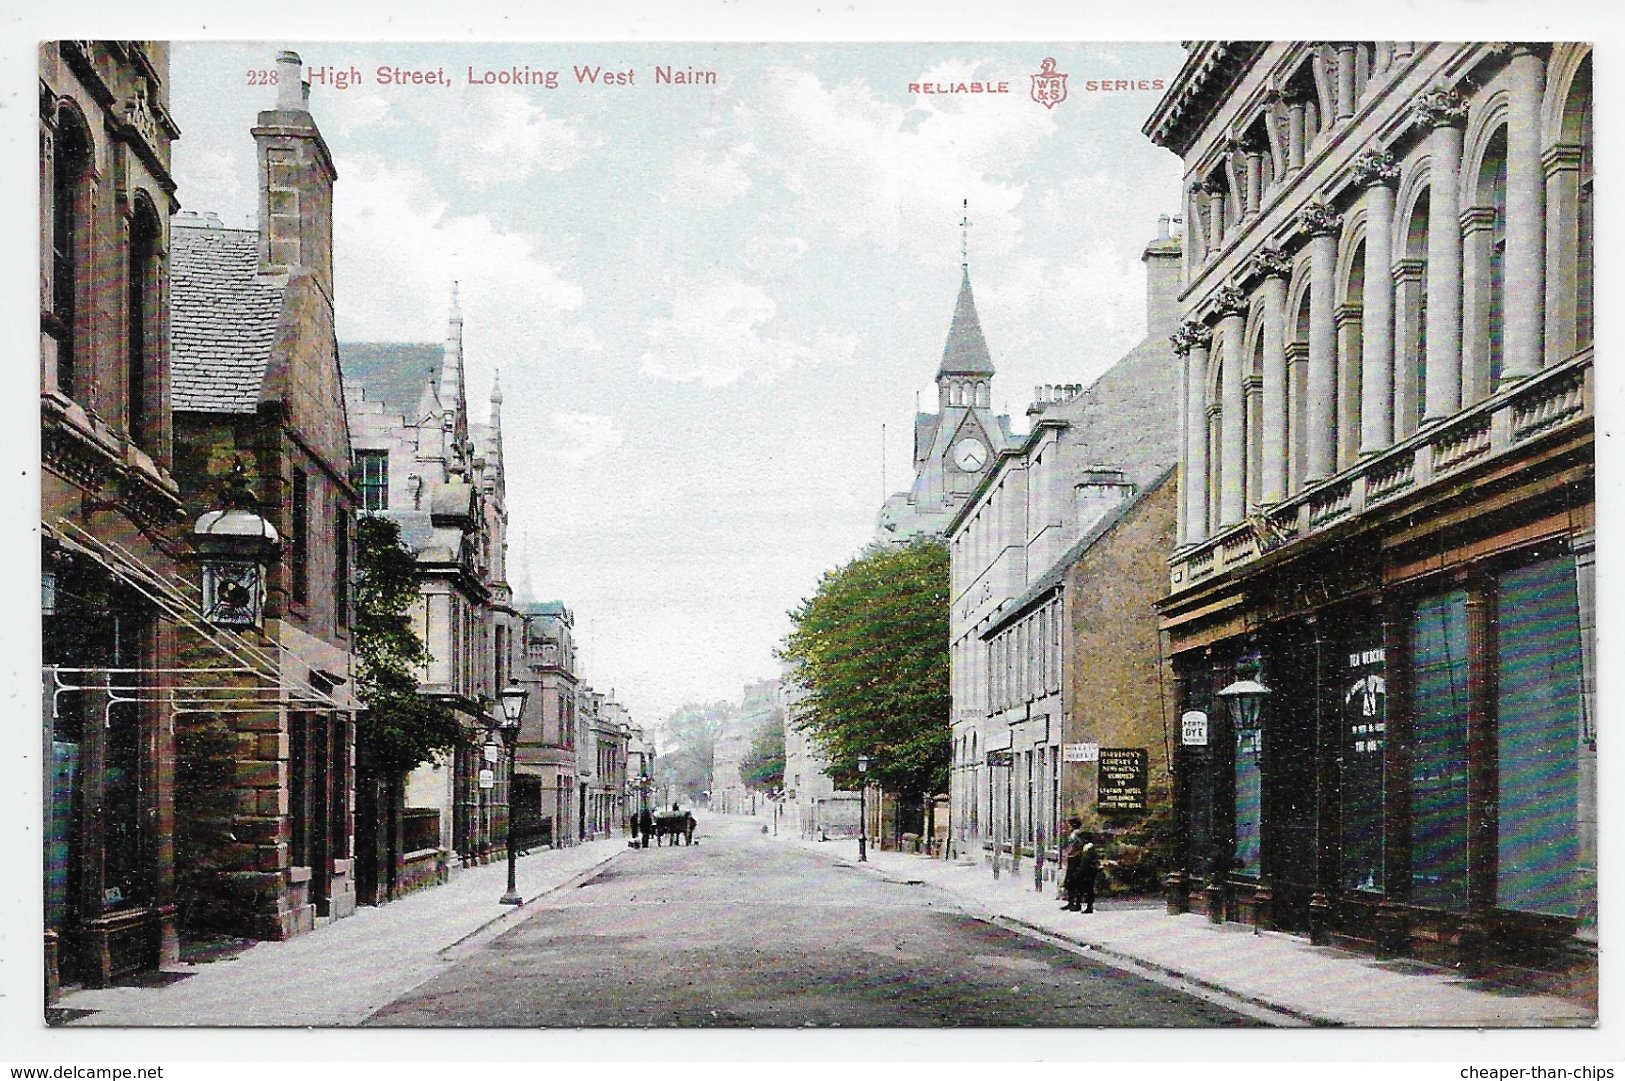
714 307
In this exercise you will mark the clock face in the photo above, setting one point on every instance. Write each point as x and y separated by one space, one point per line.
970 455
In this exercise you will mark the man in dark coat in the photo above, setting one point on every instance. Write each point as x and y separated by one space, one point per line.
688 828
646 826
1082 865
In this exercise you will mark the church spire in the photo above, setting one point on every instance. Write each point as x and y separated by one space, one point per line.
453 393
965 352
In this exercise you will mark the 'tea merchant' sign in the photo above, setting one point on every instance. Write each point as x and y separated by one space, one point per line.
1121 782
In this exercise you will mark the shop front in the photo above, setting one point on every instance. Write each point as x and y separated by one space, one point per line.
1387 743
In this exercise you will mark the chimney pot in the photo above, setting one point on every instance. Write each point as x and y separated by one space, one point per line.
292 92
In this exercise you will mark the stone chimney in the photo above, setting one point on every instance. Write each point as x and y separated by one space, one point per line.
296 182
1096 493
1164 277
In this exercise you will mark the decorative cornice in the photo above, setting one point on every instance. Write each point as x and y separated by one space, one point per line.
1440 107
1476 218
1318 219
1374 167
1190 335
1229 301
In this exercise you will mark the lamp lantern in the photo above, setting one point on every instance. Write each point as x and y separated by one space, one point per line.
1246 695
233 544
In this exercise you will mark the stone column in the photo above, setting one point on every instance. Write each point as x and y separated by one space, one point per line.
1297 105
1231 306
1377 172
1215 211
1274 267
1322 226
1562 168
1477 250
1255 176
1182 509
1523 323
1345 79
1191 341
1443 112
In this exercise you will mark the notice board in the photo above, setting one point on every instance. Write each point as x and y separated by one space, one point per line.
1121 782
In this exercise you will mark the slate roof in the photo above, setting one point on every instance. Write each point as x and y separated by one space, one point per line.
1128 418
392 372
1058 570
965 352
222 321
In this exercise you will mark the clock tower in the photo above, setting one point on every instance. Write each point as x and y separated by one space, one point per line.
955 447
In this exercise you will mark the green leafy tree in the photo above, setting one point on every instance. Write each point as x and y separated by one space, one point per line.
763 767
401 728
690 734
871 649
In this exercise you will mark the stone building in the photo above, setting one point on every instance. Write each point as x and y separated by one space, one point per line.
954 448
110 600
1090 453
607 729
423 463
811 799
1381 609
256 395
545 786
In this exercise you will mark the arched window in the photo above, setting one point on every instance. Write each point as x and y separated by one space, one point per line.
1577 125
1253 414
141 392
1216 480
70 247
1350 346
1297 395
1411 323
1484 259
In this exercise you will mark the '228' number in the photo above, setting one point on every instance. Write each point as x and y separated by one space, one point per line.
262 78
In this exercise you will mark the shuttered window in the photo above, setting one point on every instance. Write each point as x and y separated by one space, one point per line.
1538 725
1439 753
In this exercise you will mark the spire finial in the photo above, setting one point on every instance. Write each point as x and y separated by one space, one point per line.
496 387
964 237
456 309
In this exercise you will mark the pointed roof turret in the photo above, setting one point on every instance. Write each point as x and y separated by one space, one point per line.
966 350
429 402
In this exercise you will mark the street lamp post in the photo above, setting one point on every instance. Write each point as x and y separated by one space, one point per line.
863 808
513 713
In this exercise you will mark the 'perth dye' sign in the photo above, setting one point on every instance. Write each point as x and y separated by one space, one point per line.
1121 785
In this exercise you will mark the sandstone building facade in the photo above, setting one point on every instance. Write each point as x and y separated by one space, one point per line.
1387 478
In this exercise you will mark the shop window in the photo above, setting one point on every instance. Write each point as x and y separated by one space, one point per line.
1538 732
1364 690
1249 801
1438 748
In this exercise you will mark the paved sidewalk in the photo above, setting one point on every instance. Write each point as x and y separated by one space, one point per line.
342 972
1283 972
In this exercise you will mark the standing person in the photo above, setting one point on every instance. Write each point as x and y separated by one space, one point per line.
688 828
1082 865
646 826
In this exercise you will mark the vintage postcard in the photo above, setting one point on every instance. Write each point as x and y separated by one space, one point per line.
1042 534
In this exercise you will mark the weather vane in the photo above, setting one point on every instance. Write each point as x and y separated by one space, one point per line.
964 236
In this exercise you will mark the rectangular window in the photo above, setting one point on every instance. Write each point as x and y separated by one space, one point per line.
341 567
1538 708
299 541
370 475
1439 752
1364 691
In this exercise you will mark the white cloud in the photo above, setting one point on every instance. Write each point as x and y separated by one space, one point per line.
715 336
897 175
577 438
499 136
707 180
398 250
769 255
